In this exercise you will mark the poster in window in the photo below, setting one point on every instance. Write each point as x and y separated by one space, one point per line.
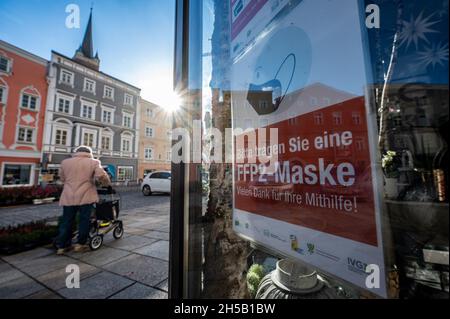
316 200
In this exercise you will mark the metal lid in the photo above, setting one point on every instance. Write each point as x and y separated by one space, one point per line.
296 278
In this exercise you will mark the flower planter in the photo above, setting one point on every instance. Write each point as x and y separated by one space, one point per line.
49 200
38 201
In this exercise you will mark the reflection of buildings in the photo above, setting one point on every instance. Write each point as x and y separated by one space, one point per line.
310 112
23 98
302 101
155 139
415 117
414 124
86 106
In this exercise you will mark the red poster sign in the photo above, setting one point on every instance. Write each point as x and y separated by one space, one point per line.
322 178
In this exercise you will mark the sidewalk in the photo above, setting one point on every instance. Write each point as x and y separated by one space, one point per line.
134 267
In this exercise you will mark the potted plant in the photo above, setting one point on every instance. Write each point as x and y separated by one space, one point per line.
391 174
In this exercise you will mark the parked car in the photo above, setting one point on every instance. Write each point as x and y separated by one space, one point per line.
156 182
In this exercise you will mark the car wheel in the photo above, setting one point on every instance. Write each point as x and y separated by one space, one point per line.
146 190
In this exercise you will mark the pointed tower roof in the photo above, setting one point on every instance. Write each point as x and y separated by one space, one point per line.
85 53
87 47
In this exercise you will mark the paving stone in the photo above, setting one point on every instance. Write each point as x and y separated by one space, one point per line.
130 243
135 231
28 256
101 257
160 250
19 288
164 285
157 234
46 264
57 279
147 270
44 294
139 291
99 286
8 273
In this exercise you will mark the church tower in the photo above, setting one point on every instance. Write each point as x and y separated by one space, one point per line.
85 53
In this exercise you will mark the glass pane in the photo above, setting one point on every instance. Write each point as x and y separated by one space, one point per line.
16 175
343 169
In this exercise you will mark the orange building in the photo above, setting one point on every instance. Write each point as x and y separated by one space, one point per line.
23 94
155 138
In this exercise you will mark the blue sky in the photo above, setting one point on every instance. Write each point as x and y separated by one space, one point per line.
134 38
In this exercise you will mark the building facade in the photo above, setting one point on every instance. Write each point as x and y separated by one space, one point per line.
89 107
155 138
23 99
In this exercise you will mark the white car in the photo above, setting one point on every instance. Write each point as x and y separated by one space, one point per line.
156 182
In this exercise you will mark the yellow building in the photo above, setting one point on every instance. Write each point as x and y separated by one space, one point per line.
155 138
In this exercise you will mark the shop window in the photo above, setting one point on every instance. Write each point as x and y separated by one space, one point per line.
16 174
124 173
360 105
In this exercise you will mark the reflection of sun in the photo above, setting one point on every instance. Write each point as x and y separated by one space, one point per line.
171 102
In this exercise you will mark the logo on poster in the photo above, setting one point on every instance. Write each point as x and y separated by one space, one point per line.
311 248
356 265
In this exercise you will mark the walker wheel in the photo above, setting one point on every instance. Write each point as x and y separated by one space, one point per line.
96 242
118 231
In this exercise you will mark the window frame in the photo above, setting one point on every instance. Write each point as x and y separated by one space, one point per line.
28 108
85 83
125 99
126 138
56 136
105 96
4 95
26 128
71 99
61 77
151 153
107 108
84 131
109 134
131 116
8 64
89 104
152 135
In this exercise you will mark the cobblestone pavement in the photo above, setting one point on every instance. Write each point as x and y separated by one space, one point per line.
134 267
19 215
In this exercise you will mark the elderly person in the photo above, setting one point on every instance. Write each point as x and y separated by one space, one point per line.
79 175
